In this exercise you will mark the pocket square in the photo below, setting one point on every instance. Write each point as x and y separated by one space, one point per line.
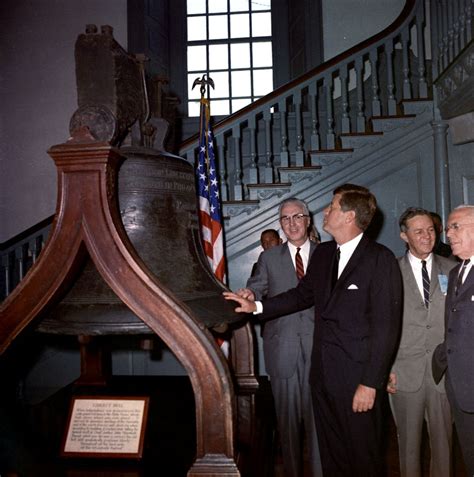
353 287
472 298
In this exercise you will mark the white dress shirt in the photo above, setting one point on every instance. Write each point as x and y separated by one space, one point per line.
416 266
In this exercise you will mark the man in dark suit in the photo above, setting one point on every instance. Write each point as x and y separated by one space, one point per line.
288 340
357 324
414 395
455 355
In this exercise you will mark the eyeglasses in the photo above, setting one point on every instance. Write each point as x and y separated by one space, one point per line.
455 227
297 218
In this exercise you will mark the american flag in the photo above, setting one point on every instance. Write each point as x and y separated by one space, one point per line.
209 200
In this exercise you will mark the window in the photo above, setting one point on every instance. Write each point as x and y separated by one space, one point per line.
231 41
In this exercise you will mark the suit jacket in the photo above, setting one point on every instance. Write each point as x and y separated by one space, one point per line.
357 324
422 328
456 353
275 273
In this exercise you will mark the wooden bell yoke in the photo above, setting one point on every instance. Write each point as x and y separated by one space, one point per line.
88 222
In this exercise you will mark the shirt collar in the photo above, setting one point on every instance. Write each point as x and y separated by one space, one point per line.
349 247
304 248
415 261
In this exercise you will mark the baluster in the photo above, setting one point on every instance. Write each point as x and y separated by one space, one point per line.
444 19
456 27
238 187
391 102
345 120
299 153
441 51
420 21
450 31
376 111
330 137
253 171
284 158
434 40
468 21
6 264
221 164
313 104
406 66
36 247
20 262
267 117
359 69
462 25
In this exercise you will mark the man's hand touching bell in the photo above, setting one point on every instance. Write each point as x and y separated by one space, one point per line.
246 293
246 306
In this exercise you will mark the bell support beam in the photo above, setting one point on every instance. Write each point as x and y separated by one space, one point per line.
88 221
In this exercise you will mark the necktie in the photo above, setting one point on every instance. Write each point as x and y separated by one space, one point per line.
460 275
335 267
299 264
426 283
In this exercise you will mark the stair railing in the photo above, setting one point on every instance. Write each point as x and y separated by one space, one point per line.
338 97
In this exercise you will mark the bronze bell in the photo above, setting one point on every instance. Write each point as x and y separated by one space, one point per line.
158 206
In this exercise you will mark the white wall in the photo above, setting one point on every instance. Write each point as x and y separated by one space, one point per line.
38 97
348 22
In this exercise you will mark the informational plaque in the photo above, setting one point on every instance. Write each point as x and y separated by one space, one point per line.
106 427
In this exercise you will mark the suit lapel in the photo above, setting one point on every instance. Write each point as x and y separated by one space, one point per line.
287 264
435 272
468 282
409 276
353 261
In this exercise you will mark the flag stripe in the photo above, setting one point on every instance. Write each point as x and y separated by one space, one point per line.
209 200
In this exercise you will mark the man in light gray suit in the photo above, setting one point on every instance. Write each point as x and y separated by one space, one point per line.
455 355
414 394
288 340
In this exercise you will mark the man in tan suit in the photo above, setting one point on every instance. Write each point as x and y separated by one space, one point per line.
414 394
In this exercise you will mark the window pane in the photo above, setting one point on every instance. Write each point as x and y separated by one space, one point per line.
262 82
221 84
218 27
241 83
262 5
197 58
196 6
196 92
262 54
220 107
261 24
196 28
239 25
194 109
240 55
217 6
240 103
218 57
239 5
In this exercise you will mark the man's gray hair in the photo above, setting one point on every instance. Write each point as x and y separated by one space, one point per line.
294 200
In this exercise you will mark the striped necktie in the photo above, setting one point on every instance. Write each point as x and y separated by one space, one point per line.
460 275
299 264
426 283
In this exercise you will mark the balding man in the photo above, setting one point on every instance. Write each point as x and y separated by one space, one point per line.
455 355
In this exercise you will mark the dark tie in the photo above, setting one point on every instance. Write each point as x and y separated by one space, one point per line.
460 275
335 268
426 283
299 264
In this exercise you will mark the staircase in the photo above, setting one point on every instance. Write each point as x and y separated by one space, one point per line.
367 116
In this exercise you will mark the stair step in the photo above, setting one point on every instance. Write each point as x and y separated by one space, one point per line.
233 208
326 157
389 123
358 140
417 106
294 175
266 191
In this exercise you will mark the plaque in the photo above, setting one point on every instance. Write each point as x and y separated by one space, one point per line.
104 426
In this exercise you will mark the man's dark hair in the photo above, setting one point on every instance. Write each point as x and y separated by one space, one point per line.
360 200
409 214
270 231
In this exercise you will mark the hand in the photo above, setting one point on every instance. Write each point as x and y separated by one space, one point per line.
246 293
364 399
246 306
392 383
